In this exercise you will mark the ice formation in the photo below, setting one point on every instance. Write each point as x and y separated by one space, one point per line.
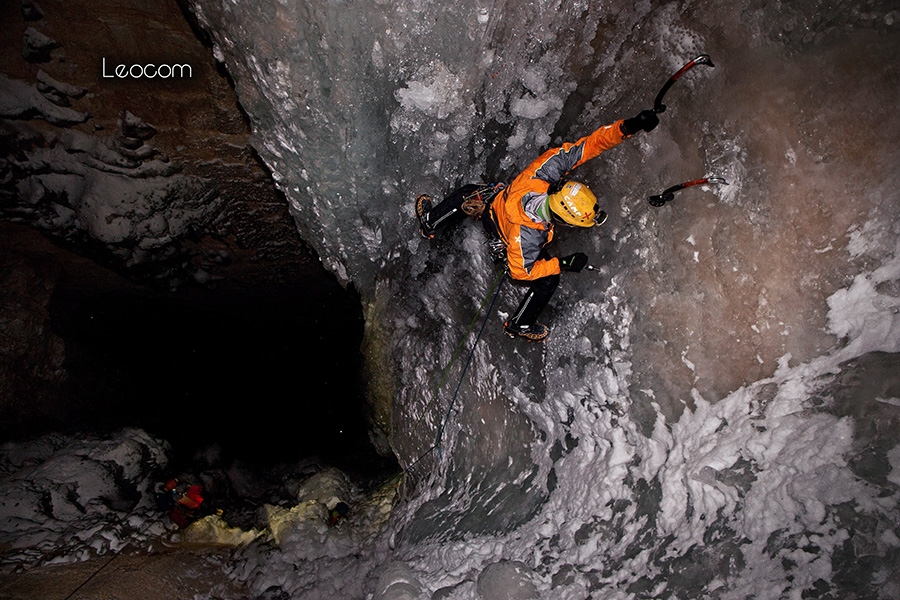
684 434
62 498
715 414
116 189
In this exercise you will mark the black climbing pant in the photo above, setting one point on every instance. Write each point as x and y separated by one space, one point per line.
537 297
449 210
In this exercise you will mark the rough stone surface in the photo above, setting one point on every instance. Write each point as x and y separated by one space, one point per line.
132 185
180 572
154 178
31 355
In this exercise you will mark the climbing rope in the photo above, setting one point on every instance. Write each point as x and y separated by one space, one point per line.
495 290
116 554
94 574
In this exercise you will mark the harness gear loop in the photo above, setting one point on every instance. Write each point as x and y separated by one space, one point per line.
475 203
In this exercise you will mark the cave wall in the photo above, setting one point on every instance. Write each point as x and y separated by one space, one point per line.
693 419
31 355
152 176
129 185
159 180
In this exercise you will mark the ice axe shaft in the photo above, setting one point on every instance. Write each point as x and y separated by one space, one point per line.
703 59
669 194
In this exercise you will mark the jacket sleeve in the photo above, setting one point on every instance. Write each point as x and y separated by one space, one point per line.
523 256
554 164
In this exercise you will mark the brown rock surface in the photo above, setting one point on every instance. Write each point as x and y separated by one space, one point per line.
240 236
196 128
178 572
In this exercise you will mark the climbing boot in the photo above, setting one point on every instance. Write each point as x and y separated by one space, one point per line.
533 333
424 205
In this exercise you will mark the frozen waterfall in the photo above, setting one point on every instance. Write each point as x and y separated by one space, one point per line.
692 429
717 411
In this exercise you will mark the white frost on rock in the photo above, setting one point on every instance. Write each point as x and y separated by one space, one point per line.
18 100
434 91
398 582
530 108
61 496
869 319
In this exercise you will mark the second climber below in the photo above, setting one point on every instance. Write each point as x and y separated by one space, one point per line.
523 215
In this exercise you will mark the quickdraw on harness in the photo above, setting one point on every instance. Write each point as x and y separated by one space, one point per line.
495 242
477 201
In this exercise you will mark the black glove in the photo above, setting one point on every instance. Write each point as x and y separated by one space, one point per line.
574 262
661 200
645 121
556 186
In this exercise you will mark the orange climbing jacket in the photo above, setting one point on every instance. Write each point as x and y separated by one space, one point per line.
520 213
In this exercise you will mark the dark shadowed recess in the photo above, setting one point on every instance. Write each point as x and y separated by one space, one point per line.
267 375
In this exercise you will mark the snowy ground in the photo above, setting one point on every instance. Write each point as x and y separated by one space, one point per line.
66 500
756 495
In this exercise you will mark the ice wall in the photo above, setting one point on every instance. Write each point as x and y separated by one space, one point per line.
690 379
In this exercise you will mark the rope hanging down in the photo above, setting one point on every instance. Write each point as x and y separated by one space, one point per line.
495 289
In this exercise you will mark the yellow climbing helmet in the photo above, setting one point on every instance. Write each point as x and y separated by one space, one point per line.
575 204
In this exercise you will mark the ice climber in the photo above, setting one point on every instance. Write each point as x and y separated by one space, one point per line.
521 216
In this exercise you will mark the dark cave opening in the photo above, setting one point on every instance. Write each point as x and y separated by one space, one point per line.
266 376
267 372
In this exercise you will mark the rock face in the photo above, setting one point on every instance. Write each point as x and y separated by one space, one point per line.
691 428
150 168
150 178
31 355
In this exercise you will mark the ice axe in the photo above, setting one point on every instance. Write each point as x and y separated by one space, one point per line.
669 194
703 59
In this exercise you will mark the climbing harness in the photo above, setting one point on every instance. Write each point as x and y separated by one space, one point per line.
474 203
469 200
